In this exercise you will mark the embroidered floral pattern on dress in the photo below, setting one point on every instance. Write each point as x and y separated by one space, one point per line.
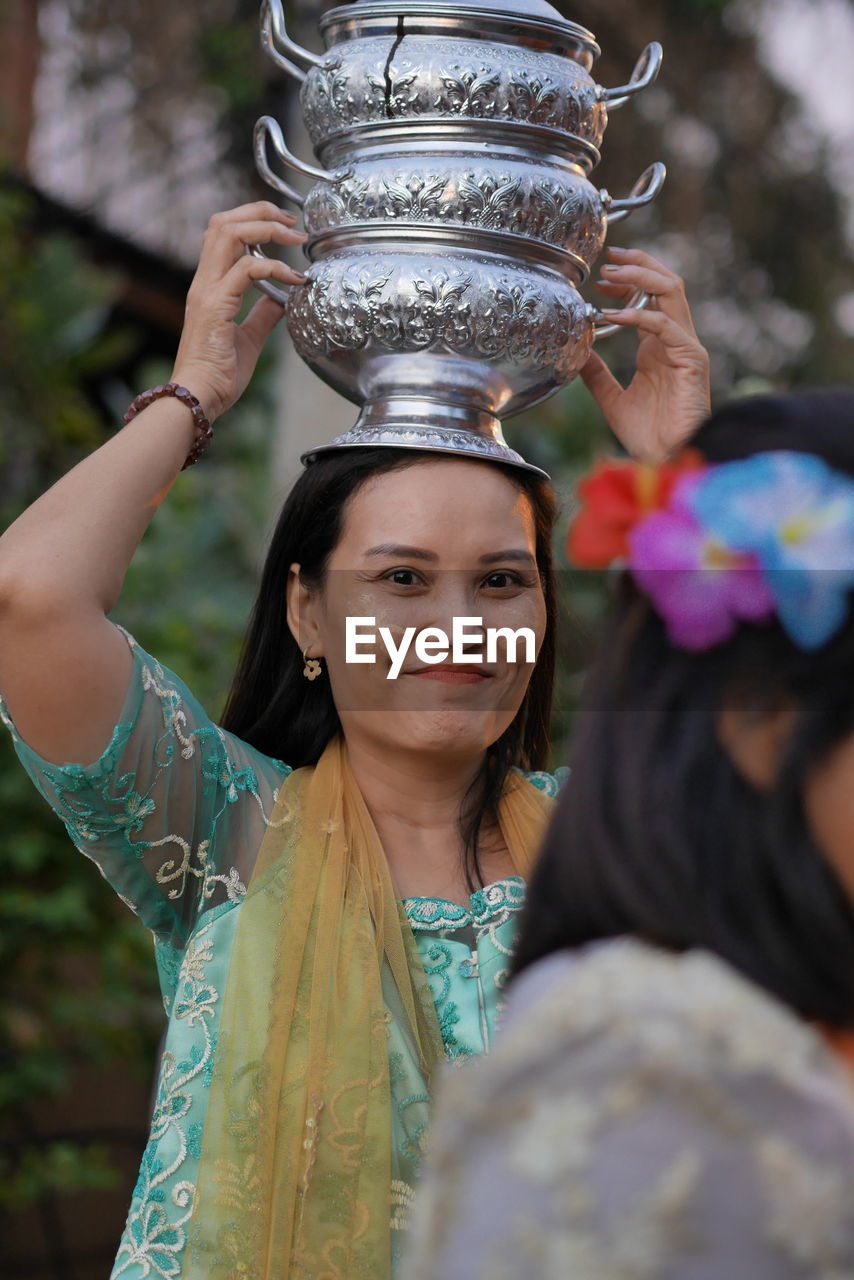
435 915
156 1232
155 808
466 953
173 814
487 907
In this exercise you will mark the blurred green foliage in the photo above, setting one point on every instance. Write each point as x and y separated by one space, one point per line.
59 1167
51 306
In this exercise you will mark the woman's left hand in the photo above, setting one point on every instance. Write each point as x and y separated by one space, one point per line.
669 395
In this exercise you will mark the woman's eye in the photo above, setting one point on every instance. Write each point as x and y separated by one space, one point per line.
402 577
501 580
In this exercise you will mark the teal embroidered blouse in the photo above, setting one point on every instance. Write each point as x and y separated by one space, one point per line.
173 814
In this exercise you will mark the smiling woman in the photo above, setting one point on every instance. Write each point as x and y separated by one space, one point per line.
333 872
358 569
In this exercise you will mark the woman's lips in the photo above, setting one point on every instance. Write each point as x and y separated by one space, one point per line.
451 675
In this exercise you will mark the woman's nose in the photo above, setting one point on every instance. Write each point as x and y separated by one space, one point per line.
455 595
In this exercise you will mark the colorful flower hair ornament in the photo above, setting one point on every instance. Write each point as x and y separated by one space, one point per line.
727 544
615 497
796 515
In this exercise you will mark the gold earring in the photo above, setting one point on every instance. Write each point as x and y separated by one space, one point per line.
311 670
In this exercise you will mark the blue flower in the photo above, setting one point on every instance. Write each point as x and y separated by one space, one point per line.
796 515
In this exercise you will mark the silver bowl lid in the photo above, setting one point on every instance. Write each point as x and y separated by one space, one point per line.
534 16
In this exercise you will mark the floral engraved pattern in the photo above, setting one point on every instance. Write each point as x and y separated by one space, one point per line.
532 319
565 210
428 437
570 216
399 89
454 78
416 197
533 97
469 91
362 289
443 314
487 202
331 88
332 98
514 311
329 204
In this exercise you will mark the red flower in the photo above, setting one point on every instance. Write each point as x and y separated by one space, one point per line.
616 496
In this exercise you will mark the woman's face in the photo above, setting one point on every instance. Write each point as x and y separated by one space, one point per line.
442 539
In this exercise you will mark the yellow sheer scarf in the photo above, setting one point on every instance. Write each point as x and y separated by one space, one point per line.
295 1171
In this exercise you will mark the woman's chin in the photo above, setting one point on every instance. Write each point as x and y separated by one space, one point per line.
447 731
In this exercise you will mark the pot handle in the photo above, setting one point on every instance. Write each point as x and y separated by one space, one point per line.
643 192
646 70
601 326
266 128
262 165
275 38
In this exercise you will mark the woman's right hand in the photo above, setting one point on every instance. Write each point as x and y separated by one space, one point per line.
216 356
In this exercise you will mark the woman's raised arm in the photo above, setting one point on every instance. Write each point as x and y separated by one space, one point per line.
64 668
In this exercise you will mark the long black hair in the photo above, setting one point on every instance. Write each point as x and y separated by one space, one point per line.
657 834
274 708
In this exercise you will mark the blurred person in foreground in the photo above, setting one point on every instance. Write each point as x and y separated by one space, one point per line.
333 871
671 1095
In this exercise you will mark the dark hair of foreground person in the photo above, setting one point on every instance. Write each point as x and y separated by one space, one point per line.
657 835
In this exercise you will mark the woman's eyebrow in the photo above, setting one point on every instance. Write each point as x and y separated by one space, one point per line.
395 549
518 554
513 554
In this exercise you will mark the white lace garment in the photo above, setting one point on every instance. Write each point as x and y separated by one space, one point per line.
642 1116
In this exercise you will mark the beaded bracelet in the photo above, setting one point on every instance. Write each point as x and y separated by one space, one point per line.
204 430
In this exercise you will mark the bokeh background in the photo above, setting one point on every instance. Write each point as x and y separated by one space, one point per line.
124 124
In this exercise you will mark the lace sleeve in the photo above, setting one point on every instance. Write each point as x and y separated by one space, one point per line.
174 810
639 1147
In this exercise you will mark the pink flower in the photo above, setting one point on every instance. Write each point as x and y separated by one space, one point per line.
701 589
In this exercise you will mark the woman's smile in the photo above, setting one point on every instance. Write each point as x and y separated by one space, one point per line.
451 674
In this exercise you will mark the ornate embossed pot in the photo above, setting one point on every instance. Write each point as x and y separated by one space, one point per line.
432 340
443 176
455 219
483 60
